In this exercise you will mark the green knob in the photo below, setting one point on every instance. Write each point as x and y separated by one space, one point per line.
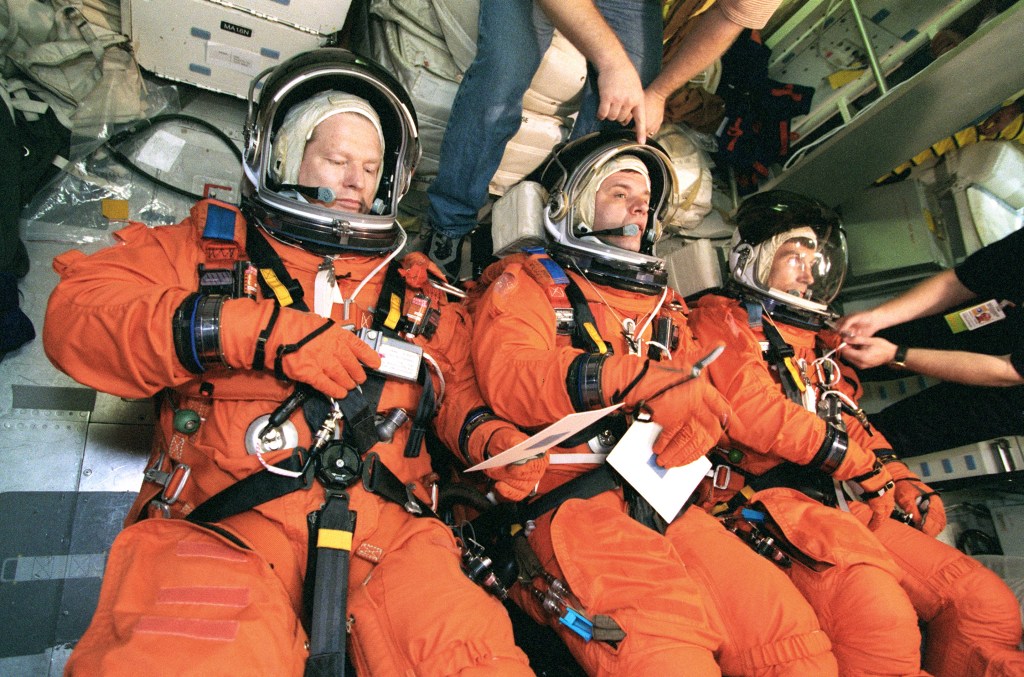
735 456
186 421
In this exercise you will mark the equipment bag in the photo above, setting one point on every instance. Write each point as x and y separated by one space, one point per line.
88 69
55 45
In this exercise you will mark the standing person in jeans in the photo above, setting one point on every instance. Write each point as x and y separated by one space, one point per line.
621 39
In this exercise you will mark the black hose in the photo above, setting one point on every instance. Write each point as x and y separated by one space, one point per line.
149 123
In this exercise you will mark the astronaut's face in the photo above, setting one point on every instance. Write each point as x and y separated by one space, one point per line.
792 268
343 154
622 199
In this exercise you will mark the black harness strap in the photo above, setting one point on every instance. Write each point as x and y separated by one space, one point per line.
582 318
251 491
358 408
388 313
378 479
335 525
778 352
589 484
265 258
425 411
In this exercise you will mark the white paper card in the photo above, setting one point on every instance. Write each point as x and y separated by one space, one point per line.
666 489
545 439
161 150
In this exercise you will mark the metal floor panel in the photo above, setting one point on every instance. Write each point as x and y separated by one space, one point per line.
41 451
115 457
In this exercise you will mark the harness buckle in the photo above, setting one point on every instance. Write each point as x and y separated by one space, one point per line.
411 504
176 481
172 481
721 476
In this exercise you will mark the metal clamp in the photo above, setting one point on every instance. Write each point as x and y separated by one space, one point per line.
172 490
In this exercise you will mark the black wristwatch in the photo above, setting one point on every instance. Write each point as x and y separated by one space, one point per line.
900 359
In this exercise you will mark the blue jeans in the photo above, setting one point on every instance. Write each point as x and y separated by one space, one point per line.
487 111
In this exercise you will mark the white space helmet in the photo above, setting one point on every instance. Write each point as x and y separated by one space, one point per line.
572 177
765 222
293 99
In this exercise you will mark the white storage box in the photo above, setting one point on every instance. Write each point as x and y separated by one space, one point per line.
315 16
692 266
517 219
210 45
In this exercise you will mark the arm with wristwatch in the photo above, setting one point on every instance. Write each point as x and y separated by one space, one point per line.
935 294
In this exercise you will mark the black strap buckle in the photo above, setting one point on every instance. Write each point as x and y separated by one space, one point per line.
338 465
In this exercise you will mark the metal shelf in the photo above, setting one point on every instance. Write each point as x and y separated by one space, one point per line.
953 91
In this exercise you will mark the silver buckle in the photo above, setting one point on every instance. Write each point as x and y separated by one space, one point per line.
717 479
173 483
180 471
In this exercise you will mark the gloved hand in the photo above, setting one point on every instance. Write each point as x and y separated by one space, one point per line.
917 499
692 413
332 361
512 482
877 486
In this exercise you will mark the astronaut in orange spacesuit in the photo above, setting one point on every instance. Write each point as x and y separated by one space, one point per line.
797 427
587 323
285 510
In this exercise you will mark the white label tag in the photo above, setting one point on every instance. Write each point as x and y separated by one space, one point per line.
241 60
666 489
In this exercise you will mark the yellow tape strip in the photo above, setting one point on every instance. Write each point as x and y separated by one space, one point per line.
601 347
797 378
394 313
284 297
334 539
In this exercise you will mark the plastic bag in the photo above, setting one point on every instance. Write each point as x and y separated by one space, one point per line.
97 195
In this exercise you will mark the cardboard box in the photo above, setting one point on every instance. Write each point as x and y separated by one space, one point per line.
211 45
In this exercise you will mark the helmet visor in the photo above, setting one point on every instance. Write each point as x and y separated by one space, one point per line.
804 262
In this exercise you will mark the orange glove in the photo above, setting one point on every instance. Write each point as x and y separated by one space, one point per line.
917 499
313 350
877 487
692 413
512 482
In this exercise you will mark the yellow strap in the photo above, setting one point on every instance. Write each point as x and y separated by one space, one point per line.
601 347
284 297
334 539
795 373
394 313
